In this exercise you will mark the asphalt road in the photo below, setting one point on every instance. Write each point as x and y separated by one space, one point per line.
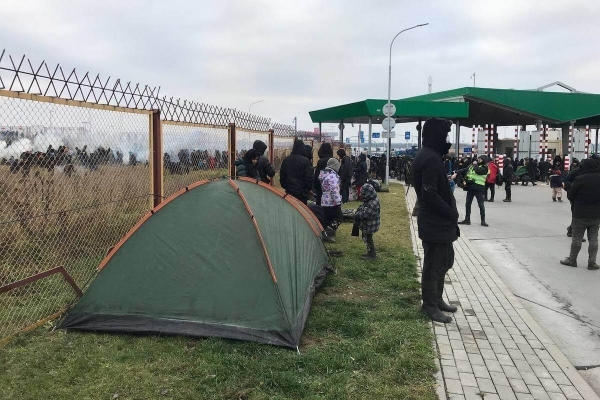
524 243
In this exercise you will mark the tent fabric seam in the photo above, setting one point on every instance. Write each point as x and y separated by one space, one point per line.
299 206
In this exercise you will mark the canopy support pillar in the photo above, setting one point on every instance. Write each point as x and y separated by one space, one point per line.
371 128
457 140
596 152
341 131
320 134
565 140
419 129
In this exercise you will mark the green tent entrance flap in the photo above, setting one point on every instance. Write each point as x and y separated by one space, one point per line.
232 259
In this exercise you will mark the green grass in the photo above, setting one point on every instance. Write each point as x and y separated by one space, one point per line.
364 339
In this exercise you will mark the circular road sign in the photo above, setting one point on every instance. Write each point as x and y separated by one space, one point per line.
388 124
389 111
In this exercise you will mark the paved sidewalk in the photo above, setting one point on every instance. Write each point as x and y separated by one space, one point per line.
494 349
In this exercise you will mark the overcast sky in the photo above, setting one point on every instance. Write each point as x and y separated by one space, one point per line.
299 56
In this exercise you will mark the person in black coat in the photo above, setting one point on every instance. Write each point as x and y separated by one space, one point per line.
247 166
264 167
296 174
345 174
437 217
361 173
325 153
584 196
508 176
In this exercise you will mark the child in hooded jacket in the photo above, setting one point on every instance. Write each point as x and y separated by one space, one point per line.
331 199
556 185
368 219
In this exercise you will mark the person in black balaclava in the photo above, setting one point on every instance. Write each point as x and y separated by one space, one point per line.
437 219
296 173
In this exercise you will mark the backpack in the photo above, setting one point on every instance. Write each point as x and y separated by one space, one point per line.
499 180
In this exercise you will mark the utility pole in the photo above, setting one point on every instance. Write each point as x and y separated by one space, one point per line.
296 126
473 77
430 83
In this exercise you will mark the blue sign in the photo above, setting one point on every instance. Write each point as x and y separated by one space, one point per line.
467 150
347 140
376 135
407 135
361 135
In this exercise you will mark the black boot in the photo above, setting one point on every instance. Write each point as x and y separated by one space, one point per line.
371 253
466 221
430 305
441 303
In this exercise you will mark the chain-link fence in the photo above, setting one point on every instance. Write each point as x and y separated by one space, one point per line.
73 181
192 153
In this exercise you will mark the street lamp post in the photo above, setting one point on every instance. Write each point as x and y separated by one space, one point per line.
387 165
256 102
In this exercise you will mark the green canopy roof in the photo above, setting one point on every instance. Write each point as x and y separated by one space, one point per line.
509 106
406 111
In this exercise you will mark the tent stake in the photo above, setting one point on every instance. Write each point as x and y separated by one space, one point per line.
298 350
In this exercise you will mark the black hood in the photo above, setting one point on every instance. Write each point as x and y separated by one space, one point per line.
435 132
362 157
325 151
250 154
309 152
260 146
341 153
299 148
589 165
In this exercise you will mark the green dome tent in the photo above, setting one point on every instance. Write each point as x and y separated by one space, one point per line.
232 259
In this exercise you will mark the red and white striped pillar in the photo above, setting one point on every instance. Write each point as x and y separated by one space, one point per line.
541 144
473 142
516 144
485 140
567 162
571 141
546 134
491 137
501 163
587 141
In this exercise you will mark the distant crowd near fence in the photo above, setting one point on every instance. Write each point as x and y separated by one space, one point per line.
82 159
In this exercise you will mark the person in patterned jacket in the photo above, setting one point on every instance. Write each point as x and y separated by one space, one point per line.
368 219
331 199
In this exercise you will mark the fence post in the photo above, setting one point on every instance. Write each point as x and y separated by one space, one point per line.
156 159
272 151
231 149
271 146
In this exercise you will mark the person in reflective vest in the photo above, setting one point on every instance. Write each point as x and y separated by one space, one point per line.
474 178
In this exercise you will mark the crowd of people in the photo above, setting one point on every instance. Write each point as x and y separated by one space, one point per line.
323 187
434 175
